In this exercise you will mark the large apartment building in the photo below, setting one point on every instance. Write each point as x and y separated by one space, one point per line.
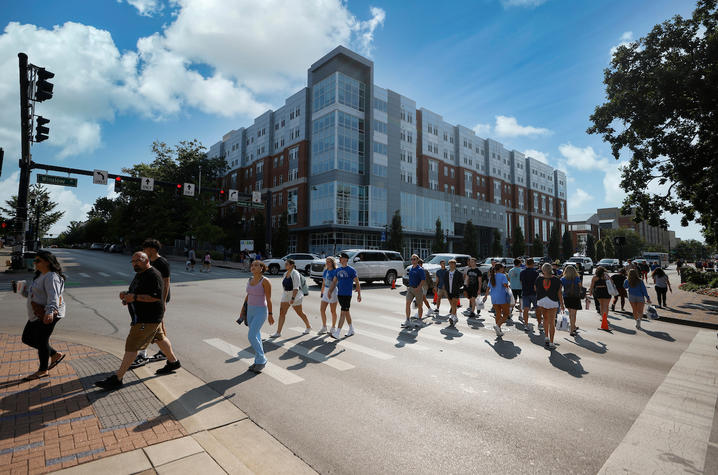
342 155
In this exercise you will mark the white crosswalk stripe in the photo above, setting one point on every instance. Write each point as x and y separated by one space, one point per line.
103 274
357 347
311 354
272 370
394 341
86 276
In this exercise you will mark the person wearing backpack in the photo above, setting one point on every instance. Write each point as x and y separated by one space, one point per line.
343 282
572 286
292 296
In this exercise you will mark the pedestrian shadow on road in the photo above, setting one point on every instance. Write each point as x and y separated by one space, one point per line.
476 323
708 306
568 362
689 465
405 337
451 333
620 329
326 348
598 347
657 334
505 349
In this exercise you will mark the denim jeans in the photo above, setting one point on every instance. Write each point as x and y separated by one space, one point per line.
256 316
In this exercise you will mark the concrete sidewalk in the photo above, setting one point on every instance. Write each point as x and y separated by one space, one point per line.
168 424
687 308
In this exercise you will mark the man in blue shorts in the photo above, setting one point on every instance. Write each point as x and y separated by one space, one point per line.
343 280
528 278
414 290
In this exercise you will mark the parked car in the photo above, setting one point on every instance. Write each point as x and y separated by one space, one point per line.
586 262
97 246
431 263
302 262
117 248
107 247
609 264
508 262
370 265
578 265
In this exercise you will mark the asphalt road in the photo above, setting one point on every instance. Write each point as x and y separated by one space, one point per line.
389 400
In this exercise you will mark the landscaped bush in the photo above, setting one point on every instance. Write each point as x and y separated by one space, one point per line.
700 278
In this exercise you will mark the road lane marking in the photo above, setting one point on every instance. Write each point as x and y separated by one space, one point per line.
312 355
393 341
103 274
273 371
124 274
421 334
86 276
357 347
672 432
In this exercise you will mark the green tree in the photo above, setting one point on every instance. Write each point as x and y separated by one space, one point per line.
600 253
39 206
395 241
439 244
690 250
660 107
591 247
471 239
537 247
634 243
566 246
608 249
554 243
497 248
518 246
280 236
259 233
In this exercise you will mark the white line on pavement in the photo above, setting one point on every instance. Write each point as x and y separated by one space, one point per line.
672 432
393 341
271 370
312 355
123 274
357 347
103 274
87 276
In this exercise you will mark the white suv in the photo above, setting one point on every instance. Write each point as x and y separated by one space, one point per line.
586 262
370 264
302 262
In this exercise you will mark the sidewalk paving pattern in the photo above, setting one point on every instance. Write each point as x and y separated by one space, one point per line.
61 421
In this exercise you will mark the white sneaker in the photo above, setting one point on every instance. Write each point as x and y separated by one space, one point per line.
540 327
498 331
467 312
335 334
350 332
453 319
545 341
332 330
406 324
275 335
552 346
306 331
322 331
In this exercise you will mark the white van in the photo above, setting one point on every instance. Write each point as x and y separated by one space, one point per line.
370 264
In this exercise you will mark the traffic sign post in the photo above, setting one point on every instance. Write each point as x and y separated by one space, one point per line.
147 184
57 180
99 177
233 195
188 189
256 197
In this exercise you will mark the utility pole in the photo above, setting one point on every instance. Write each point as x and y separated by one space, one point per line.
25 138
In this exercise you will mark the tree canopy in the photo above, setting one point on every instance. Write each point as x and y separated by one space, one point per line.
566 245
518 246
661 102
43 208
554 243
395 240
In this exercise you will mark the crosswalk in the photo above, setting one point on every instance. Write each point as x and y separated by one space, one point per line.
115 277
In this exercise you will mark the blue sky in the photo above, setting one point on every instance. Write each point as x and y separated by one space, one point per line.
525 72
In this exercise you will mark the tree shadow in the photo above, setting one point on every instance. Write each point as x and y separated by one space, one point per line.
505 349
568 362
598 347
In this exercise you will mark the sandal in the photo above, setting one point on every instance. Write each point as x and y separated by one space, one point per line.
56 362
35 376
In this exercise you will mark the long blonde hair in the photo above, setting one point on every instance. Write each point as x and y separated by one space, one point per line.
570 273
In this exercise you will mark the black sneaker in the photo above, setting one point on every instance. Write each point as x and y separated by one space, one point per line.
139 362
256 368
159 356
109 384
169 368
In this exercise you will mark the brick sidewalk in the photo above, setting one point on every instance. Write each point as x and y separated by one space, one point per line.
61 421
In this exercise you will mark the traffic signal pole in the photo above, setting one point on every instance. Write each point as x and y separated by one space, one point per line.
23 187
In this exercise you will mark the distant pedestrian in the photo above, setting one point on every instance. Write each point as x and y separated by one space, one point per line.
637 295
257 309
472 286
453 283
441 290
515 282
414 290
556 268
643 265
599 290
618 279
144 302
549 299
192 259
679 266
662 286
528 278
330 270
343 283
572 287
207 263
45 307
498 288
426 289
291 297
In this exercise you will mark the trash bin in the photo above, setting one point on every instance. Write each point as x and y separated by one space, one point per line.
28 258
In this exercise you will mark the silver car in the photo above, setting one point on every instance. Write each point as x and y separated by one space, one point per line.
432 264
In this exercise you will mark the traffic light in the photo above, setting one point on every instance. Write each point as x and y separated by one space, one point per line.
118 184
43 88
41 130
3 225
222 195
178 189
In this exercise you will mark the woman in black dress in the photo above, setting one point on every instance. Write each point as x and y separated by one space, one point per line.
599 289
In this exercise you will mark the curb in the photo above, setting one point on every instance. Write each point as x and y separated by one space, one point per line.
690 323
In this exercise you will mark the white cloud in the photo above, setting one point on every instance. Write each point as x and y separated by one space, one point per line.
509 127
579 198
8 187
482 130
146 7
583 158
540 156
522 3
626 39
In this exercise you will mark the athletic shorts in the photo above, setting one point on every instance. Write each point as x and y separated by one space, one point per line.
345 301
636 299
528 301
142 334
472 291
424 291
414 293
442 293
287 297
329 298
547 303
517 294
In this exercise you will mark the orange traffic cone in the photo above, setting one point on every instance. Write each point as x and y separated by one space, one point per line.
436 297
604 323
458 302
393 284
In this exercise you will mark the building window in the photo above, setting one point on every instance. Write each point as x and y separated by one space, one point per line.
324 93
292 206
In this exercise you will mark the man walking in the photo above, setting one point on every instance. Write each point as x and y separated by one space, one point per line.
192 259
453 282
414 290
343 280
441 276
144 302
151 247
473 286
528 278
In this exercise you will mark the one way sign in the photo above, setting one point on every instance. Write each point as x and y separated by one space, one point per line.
147 184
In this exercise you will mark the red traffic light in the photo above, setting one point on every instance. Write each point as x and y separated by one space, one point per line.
117 178
3 225
221 192
179 185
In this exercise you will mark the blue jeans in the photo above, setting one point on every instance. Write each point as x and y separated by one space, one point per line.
256 316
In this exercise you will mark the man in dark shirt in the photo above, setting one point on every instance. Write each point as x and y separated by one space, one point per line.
472 286
151 247
528 278
144 301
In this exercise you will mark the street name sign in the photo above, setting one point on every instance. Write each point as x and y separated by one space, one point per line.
188 189
99 177
147 184
57 180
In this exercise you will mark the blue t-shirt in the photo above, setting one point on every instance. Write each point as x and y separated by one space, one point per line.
528 279
515 277
499 293
416 275
328 276
440 277
569 286
345 280
637 291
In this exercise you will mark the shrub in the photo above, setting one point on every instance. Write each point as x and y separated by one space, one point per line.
699 278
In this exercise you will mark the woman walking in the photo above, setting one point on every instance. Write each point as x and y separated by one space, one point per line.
662 285
207 263
45 307
256 309
572 286
618 280
291 297
498 288
330 270
637 295
599 289
549 299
